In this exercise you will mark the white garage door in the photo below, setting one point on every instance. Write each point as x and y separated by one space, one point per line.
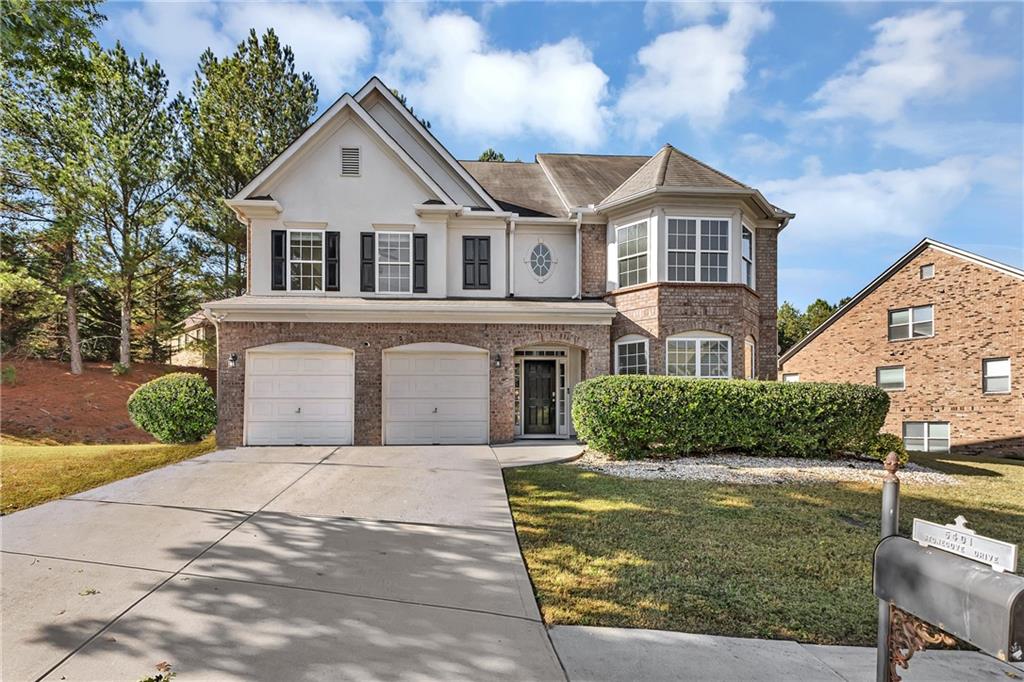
436 394
298 394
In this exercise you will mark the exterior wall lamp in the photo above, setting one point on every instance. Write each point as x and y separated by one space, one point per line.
497 360
233 360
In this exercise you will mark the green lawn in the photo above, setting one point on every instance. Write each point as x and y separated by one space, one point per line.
773 561
31 474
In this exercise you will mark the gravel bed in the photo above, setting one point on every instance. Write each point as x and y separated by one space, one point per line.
757 470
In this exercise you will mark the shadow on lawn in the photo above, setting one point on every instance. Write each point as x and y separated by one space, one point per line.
780 561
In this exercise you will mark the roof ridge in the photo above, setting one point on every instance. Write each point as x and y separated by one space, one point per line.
633 175
710 168
667 149
617 156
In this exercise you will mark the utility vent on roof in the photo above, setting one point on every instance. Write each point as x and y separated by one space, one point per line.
349 161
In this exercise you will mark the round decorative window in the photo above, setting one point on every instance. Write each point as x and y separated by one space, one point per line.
541 261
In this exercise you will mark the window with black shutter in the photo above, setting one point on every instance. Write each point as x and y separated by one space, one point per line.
476 262
278 260
366 264
332 261
419 263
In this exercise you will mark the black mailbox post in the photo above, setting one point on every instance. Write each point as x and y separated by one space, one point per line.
962 597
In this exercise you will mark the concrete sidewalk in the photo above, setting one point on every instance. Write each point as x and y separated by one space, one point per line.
591 654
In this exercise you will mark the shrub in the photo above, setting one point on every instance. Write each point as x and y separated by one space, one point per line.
176 408
119 370
8 375
635 416
881 444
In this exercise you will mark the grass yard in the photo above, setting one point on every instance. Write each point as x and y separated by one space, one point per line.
31 473
771 561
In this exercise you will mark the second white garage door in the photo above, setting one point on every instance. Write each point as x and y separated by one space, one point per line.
436 394
298 394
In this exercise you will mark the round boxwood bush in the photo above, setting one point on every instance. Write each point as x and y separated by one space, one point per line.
175 408
636 416
881 444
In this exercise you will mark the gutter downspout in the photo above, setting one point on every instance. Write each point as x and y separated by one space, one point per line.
579 255
511 251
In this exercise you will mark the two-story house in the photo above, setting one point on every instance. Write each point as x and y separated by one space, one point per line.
396 295
942 331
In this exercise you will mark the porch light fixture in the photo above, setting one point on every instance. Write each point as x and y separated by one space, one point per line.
233 360
497 360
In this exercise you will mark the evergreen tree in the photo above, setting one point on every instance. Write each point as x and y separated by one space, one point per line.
791 329
490 155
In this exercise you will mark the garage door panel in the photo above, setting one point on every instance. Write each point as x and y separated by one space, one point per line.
450 408
275 364
305 433
436 386
462 432
300 410
452 364
337 386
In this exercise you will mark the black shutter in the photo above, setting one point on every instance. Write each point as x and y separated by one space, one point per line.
278 260
332 261
366 246
419 263
476 262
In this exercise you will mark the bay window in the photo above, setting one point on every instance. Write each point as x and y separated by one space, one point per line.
631 355
707 356
747 257
698 249
631 243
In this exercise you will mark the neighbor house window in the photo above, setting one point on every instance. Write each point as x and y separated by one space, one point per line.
791 378
926 436
631 356
911 323
747 257
890 378
394 262
631 242
696 356
305 260
995 375
927 271
698 249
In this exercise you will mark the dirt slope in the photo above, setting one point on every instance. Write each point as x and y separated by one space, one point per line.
48 401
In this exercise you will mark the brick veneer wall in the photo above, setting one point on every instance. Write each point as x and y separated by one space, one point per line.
766 271
660 310
979 313
594 260
370 340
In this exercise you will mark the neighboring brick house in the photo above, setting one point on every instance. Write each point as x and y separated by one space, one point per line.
943 331
194 344
397 295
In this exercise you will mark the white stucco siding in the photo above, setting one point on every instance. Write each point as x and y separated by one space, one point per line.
314 195
495 229
561 281
428 159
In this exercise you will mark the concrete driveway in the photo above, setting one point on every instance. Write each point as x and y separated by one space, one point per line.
278 564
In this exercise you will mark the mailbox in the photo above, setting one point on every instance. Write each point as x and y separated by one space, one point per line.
965 598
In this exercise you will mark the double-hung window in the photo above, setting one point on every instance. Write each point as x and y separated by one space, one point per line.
911 323
747 257
394 262
305 260
926 436
891 378
707 358
631 242
631 356
698 249
995 375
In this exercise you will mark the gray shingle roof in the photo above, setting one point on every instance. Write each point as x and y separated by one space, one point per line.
672 168
519 187
585 179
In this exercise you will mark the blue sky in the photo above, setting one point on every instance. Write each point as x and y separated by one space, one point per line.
876 123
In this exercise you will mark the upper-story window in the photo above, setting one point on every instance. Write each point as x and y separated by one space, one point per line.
911 323
747 257
631 241
394 262
305 260
995 375
698 249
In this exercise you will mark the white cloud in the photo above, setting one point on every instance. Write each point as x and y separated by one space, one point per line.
919 56
759 149
938 139
855 207
692 12
444 65
692 73
326 42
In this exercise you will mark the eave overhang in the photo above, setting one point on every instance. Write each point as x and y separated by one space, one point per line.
296 308
771 212
254 208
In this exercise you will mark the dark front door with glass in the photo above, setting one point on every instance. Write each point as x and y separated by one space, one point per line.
539 381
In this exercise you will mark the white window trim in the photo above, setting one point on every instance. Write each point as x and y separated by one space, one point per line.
634 338
377 263
1009 375
926 438
794 380
902 386
323 261
646 252
697 251
910 324
753 255
697 339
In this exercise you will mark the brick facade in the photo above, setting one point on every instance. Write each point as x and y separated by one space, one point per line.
660 310
978 312
370 340
593 260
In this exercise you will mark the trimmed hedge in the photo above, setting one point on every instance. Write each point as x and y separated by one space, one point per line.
176 408
636 416
881 444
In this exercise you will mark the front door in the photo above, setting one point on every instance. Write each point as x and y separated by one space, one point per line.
540 396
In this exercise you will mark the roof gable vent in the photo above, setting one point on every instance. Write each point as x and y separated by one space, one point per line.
350 162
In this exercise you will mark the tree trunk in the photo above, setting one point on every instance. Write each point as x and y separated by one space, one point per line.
74 343
126 330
